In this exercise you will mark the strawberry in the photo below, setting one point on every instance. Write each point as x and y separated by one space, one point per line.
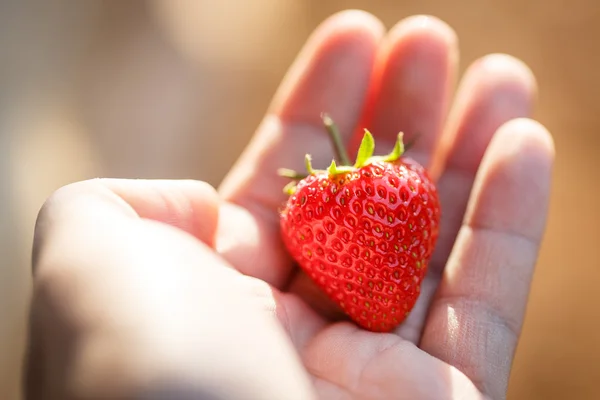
364 232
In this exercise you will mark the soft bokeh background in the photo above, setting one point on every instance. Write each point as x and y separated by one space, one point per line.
175 88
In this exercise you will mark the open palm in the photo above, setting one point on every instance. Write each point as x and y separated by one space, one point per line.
492 167
127 306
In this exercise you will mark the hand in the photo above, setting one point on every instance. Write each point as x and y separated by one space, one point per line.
150 288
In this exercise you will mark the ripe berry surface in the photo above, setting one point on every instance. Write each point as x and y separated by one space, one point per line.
365 237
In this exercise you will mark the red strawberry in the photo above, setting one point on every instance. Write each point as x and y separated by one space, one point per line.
364 233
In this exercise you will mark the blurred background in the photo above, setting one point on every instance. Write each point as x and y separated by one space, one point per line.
175 88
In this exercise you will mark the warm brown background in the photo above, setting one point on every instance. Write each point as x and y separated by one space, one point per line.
174 88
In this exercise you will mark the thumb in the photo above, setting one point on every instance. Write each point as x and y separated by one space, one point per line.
121 299
189 205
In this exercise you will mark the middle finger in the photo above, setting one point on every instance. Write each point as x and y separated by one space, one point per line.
412 85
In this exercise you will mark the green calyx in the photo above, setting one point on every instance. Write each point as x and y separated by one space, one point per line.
364 156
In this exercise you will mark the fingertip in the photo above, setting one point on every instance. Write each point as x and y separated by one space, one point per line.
512 189
524 146
527 135
428 26
190 205
413 78
203 191
353 24
495 89
332 71
354 30
204 209
504 70
348 33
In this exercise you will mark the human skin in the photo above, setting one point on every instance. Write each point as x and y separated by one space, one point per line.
172 289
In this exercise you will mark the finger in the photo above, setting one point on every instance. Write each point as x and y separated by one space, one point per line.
413 80
331 75
126 300
494 90
477 314
191 206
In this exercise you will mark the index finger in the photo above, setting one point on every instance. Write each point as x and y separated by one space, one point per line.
331 75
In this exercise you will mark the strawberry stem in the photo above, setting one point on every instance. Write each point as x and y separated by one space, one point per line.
336 139
364 156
